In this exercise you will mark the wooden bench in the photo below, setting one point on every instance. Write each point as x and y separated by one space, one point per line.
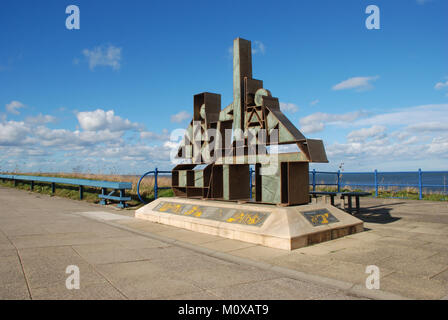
343 196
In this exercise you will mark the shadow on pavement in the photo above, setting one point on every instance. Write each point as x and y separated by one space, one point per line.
376 214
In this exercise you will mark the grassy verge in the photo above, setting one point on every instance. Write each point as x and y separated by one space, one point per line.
90 194
408 193
147 188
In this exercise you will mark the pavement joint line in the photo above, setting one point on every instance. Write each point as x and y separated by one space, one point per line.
435 275
99 272
348 287
21 265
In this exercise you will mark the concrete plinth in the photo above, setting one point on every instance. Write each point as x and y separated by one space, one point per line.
269 225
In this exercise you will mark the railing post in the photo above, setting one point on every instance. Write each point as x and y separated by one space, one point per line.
103 201
314 179
376 183
420 187
155 184
339 180
250 182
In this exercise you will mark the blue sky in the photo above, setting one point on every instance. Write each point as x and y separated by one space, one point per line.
104 98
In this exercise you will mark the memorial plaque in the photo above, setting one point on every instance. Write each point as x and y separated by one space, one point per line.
250 218
319 217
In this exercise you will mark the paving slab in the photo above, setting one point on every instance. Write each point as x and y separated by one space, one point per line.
442 276
423 268
11 270
159 286
413 287
197 295
189 236
274 289
258 253
226 275
165 252
14 291
46 267
124 258
225 245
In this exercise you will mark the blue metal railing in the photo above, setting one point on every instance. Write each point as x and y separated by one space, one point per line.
339 181
116 186
156 173
420 185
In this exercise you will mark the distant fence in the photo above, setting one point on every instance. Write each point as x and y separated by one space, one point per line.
365 180
433 180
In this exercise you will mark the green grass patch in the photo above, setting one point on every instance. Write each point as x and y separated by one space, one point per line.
410 193
90 194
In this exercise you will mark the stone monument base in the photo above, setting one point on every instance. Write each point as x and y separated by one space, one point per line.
268 225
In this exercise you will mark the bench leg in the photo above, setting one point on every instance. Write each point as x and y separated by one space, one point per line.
103 192
342 202
332 200
122 204
81 192
32 185
350 204
53 187
357 204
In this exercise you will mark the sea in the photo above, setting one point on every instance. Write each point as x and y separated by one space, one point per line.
431 181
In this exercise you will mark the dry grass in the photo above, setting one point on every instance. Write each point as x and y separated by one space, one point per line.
91 194
391 192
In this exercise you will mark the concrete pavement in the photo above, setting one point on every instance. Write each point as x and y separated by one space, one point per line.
124 258
40 236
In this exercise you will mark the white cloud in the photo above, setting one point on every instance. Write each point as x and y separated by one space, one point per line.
316 122
288 107
410 144
360 83
102 120
314 102
180 116
102 56
98 150
440 85
13 133
258 47
429 126
40 119
312 127
149 135
13 107
439 145
408 116
379 151
365 133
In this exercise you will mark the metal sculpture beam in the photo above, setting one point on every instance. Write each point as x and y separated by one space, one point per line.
227 141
